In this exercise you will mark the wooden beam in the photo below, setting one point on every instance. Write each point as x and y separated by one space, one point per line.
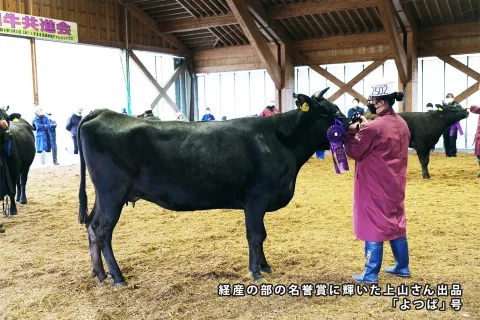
467 93
146 19
169 83
372 67
411 96
274 27
141 47
316 7
387 15
155 83
451 31
256 39
337 82
302 60
228 68
191 24
342 42
451 61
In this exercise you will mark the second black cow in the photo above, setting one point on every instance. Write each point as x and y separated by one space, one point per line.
426 128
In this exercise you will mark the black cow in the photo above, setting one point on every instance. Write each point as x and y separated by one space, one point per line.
246 163
426 128
22 153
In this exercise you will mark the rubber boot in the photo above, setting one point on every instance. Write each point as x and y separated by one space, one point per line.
1 228
373 263
400 252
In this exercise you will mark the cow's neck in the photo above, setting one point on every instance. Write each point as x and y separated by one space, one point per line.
308 136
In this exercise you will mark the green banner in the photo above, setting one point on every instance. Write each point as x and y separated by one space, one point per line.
18 24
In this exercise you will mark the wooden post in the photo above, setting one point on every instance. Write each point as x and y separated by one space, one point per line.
33 54
412 65
127 59
288 78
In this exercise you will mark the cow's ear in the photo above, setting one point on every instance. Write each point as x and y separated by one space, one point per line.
14 116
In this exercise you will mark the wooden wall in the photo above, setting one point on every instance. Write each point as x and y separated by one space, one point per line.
100 22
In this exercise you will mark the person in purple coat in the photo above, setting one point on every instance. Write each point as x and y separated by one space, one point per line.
380 151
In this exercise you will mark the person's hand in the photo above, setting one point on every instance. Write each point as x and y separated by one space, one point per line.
3 124
364 120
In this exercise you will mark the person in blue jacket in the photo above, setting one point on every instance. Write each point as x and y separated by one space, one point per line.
355 108
208 116
41 124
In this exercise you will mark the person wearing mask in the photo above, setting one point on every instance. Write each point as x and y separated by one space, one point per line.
43 141
53 137
72 127
269 110
207 116
450 133
430 107
355 108
380 151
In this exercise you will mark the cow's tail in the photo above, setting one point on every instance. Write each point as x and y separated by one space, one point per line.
82 193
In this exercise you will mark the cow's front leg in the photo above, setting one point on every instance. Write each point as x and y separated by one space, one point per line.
424 157
254 213
264 266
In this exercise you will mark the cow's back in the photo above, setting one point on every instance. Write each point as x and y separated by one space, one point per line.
185 163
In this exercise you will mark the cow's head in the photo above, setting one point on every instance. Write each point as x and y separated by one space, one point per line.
450 114
323 113
8 117
319 106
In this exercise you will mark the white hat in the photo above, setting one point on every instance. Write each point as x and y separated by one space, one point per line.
382 87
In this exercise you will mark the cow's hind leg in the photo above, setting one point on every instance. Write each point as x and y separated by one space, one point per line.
424 157
110 210
95 252
19 191
254 213
23 188
13 205
264 266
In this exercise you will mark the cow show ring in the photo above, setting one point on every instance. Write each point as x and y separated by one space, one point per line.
188 131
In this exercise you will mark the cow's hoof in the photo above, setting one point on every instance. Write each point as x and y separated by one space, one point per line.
266 269
23 202
13 213
120 284
101 277
426 177
257 276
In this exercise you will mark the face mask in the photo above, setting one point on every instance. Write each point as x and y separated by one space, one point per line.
372 107
208 112
449 100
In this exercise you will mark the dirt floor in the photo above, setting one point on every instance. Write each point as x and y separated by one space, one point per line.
174 262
